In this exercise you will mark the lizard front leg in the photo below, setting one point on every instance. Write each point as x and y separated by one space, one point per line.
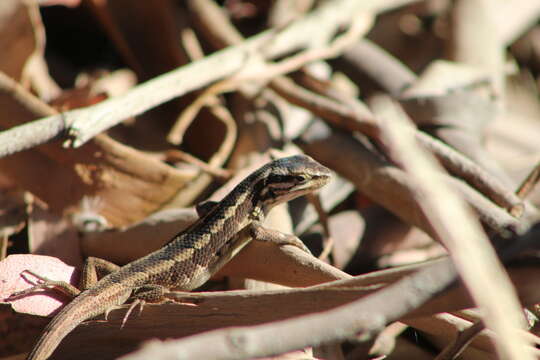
260 233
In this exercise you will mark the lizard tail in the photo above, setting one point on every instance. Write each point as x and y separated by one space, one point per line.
83 307
54 332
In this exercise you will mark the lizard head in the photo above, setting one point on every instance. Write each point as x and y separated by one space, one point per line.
291 177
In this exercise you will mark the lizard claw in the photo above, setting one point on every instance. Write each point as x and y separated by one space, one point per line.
107 312
139 302
40 284
40 279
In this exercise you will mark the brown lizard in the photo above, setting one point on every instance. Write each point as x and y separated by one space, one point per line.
191 257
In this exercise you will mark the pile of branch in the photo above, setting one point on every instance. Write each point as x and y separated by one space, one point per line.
428 229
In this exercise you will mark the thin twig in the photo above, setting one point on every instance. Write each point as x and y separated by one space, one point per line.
362 316
3 247
317 26
351 115
444 210
29 135
257 69
328 242
461 166
463 339
529 183
337 114
388 185
389 72
385 342
219 173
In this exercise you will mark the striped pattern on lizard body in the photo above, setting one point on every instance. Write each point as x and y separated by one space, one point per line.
191 257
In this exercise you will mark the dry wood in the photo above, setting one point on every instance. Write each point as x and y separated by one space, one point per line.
443 209
247 81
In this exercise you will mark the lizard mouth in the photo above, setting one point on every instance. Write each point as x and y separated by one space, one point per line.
317 182
314 183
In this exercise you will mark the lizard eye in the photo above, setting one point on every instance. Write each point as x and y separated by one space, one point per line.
274 179
282 179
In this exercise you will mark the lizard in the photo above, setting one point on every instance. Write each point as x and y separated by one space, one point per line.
190 258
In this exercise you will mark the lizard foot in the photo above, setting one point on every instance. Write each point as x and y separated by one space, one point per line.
43 283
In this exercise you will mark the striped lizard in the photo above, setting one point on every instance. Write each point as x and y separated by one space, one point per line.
189 259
